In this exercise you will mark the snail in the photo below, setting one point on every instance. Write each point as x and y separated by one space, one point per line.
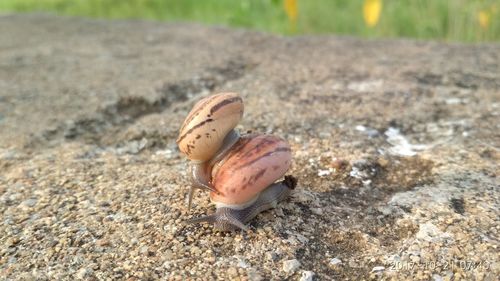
208 134
244 181
239 171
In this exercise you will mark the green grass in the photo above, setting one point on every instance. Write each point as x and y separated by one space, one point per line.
451 20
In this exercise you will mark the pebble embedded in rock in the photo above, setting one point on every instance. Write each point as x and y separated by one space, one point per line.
30 202
290 266
83 273
307 276
233 271
335 262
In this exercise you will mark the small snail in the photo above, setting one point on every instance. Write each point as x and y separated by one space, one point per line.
208 134
244 181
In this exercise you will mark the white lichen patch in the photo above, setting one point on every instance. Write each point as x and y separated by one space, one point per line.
400 144
367 130
429 232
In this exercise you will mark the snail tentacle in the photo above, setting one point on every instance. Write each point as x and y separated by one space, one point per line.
190 197
222 219
228 221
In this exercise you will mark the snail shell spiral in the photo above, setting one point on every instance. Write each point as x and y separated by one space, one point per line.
211 119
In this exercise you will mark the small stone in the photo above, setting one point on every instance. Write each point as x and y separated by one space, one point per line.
195 250
102 242
378 269
360 128
243 263
144 249
210 259
13 241
307 276
127 266
83 273
338 164
437 277
335 262
317 211
322 173
383 162
290 266
30 202
301 238
253 275
232 271
429 232
271 256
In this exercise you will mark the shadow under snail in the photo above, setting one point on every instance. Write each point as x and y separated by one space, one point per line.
239 171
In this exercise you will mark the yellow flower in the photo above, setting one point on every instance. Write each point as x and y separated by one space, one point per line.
371 12
484 19
291 9
493 8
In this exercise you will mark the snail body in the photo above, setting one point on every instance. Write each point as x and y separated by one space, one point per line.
245 181
228 218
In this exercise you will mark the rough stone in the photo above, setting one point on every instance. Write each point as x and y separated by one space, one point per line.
335 262
290 266
395 147
307 276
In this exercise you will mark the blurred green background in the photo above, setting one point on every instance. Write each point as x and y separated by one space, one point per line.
450 20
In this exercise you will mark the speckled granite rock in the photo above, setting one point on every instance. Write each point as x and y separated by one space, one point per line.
396 148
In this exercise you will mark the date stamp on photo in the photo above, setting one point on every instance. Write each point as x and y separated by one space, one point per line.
439 265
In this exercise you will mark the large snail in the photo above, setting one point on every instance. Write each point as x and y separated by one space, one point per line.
240 172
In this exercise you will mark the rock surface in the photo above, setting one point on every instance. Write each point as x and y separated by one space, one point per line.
396 149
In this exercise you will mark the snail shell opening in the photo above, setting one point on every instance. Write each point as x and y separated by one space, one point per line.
207 124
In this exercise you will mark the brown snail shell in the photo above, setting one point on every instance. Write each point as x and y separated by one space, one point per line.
254 163
211 119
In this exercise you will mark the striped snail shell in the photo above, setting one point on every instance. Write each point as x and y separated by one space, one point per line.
255 162
203 132
245 180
